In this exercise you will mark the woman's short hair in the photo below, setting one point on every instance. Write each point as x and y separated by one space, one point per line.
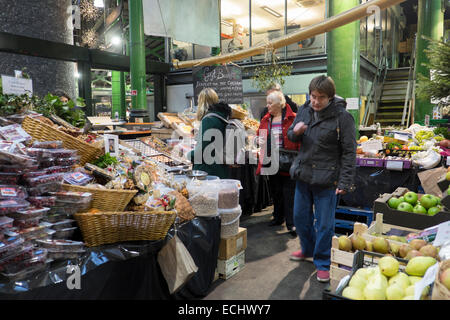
277 97
273 86
323 84
206 98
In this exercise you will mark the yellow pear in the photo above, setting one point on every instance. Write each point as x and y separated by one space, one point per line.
353 293
401 279
358 282
395 292
388 266
417 266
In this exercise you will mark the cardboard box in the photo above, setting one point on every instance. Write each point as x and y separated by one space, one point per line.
406 219
228 268
443 184
231 246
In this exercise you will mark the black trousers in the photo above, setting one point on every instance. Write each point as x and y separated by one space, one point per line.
282 190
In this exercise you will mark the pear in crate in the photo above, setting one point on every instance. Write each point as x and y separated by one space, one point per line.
417 266
429 251
358 242
345 243
416 244
401 279
380 245
445 278
413 253
404 249
388 266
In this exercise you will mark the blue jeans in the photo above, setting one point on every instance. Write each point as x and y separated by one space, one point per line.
315 236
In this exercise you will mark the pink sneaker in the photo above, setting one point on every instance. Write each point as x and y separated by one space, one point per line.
323 275
299 256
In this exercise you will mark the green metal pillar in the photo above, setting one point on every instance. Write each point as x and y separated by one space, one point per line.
137 63
343 54
118 95
430 23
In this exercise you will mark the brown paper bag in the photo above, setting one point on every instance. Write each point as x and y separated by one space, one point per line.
440 291
176 264
429 179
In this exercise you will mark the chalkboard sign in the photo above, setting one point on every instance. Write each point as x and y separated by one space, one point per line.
225 80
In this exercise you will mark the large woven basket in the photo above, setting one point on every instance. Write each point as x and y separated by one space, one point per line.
112 227
43 132
238 114
105 199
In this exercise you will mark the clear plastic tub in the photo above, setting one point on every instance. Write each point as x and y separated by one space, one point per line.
58 169
61 245
39 256
64 233
67 161
52 218
64 224
10 245
61 153
77 178
42 201
27 223
25 252
45 188
15 168
8 206
45 179
12 192
34 232
72 196
230 221
64 255
47 144
5 223
47 162
37 152
9 177
26 272
82 204
31 212
228 194
67 211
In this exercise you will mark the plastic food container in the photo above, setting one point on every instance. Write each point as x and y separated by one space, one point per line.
52 218
15 168
61 245
82 204
61 153
26 272
45 179
8 206
39 256
229 221
47 144
77 178
64 255
12 192
42 201
26 252
27 223
229 193
15 133
31 212
47 162
64 224
45 188
67 211
37 152
64 233
67 161
5 223
9 245
9 177
72 196
58 169
34 232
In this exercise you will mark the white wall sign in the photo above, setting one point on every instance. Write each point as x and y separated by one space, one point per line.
352 103
17 86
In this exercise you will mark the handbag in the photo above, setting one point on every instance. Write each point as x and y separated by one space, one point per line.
287 157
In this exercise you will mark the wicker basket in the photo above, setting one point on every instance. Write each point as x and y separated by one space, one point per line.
238 114
43 132
105 199
112 227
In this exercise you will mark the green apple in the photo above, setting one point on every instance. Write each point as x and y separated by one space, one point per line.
411 197
448 190
433 210
419 209
438 200
405 206
447 176
428 201
402 198
394 202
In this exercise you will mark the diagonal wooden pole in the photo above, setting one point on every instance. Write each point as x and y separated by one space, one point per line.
361 11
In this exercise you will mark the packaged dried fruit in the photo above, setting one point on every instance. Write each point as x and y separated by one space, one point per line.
31 212
16 168
61 245
67 161
9 245
42 201
12 192
64 233
25 252
77 178
6 222
45 188
15 133
8 206
34 232
58 169
45 179
9 177
64 224
61 153
39 256
47 144
27 223
64 255
72 196
14 158
47 162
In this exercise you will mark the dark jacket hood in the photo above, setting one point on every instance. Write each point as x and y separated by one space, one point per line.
221 107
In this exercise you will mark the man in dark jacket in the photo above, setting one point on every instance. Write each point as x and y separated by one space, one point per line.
324 168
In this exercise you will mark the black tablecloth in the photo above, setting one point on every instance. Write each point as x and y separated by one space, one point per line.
127 270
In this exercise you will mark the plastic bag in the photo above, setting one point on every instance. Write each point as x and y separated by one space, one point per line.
427 159
77 178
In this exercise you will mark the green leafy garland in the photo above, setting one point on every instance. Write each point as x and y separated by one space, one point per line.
265 75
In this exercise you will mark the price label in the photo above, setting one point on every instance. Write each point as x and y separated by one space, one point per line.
443 234
372 145
448 161
77 176
8 192
394 165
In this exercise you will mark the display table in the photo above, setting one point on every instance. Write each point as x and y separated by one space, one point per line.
127 270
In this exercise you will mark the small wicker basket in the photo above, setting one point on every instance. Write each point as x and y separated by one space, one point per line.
238 114
112 227
43 132
105 199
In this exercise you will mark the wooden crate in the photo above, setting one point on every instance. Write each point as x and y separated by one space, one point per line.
233 245
382 228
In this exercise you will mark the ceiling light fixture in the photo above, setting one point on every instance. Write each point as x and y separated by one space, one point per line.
271 11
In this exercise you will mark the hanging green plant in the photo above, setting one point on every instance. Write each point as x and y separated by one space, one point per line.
274 72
